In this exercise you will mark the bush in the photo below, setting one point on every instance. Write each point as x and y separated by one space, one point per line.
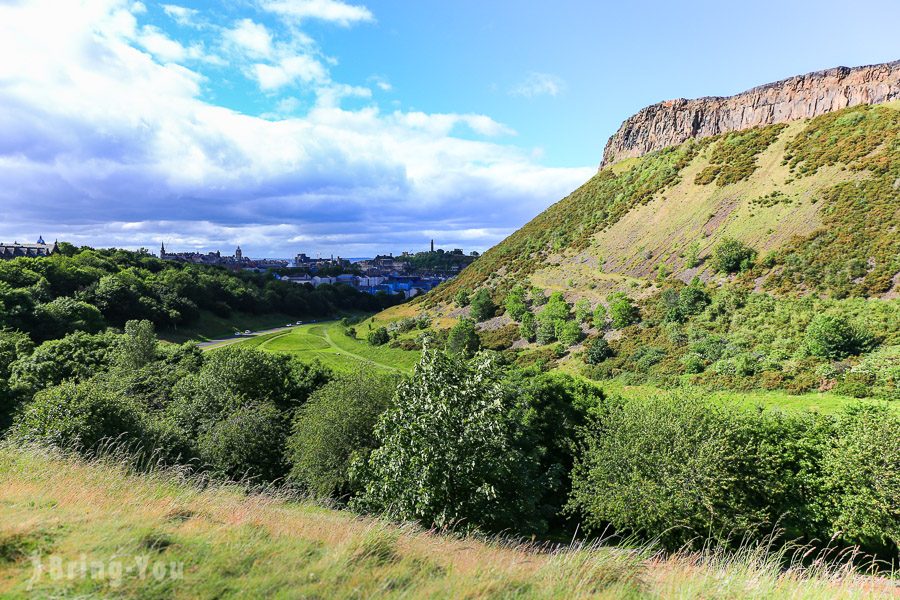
622 311
335 426
447 454
546 332
733 256
463 339
462 298
482 307
683 470
379 337
528 327
80 415
598 351
834 337
568 333
499 339
515 303
247 444
600 317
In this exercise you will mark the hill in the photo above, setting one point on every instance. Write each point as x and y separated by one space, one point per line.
716 260
99 529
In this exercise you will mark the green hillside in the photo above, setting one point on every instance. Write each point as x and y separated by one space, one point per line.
766 260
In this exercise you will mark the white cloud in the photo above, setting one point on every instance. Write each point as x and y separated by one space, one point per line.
539 84
381 83
251 37
96 136
182 15
333 11
289 70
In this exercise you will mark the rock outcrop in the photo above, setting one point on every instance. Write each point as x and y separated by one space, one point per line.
675 121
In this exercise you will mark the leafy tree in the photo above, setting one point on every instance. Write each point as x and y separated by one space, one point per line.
379 337
546 332
556 309
137 347
335 426
482 307
834 337
463 339
583 311
65 315
600 317
568 333
462 298
538 298
447 454
515 303
598 351
692 255
247 444
733 256
622 312
528 326
13 346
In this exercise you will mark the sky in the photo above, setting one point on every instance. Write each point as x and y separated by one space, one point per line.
351 127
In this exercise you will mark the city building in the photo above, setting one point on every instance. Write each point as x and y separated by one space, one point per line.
16 250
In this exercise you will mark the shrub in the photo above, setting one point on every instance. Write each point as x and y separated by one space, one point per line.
446 454
462 298
693 363
583 311
733 256
546 332
568 333
598 351
528 327
622 311
247 444
692 255
379 337
80 415
483 307
515 303
463 339
501 338
834 337
334 426
600 317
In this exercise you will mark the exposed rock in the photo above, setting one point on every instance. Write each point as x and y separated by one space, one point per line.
675 121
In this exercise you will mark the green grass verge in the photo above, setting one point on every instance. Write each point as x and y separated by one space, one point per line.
329 343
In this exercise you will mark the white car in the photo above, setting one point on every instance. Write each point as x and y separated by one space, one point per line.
289 325
247 332
299 323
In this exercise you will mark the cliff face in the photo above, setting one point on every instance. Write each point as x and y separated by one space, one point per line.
675 121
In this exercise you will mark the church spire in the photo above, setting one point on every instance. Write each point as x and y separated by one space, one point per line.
162 250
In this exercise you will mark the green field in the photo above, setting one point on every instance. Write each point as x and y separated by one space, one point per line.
330 344
210 327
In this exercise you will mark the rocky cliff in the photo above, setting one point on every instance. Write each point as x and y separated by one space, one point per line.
675 121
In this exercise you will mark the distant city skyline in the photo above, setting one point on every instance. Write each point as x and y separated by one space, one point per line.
331 125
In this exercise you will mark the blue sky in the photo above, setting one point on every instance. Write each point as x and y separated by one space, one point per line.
350 127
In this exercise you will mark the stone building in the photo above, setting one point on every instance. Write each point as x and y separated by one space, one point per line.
15 250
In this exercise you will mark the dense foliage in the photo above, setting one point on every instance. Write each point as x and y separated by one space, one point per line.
87 290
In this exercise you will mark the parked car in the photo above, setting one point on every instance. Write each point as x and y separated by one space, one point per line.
247 332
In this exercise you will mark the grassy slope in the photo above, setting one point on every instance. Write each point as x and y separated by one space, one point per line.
328 343
234 545
211 327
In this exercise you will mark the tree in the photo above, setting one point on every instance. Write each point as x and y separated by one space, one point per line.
546 332
568 332
462 298
556 309
137 347
335 426
482 307
583 310
692 255
515 303
463 339
447 455
834 337
247 444
600 317
528 326
733 256
379 337
537 296
622 312
598 351
64 315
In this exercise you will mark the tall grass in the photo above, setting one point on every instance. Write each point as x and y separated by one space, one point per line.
238 541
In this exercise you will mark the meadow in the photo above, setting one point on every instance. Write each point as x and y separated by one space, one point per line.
166 535
329 343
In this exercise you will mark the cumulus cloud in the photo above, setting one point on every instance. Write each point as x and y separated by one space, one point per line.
250 37
333 11
539 84
103 141
181 14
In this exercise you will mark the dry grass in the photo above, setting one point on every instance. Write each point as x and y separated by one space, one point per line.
235 544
